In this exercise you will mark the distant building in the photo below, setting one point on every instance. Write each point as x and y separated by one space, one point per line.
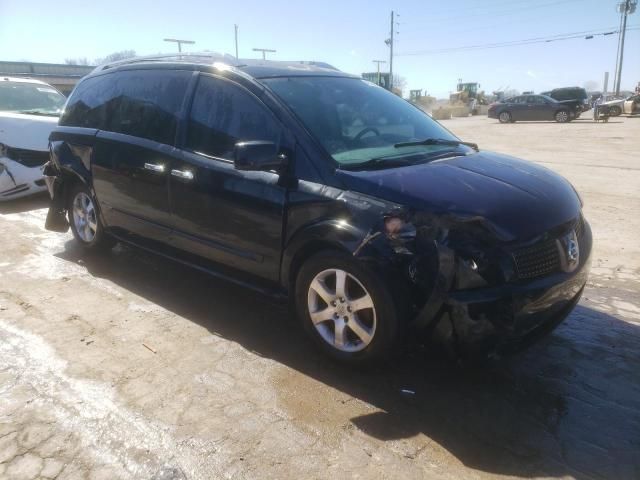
63 77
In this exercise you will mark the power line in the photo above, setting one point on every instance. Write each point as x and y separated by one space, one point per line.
501 13
512 43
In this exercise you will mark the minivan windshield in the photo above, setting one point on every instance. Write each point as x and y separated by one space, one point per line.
357 122
32 98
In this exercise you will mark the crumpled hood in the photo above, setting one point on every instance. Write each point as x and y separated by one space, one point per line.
30 132
518 198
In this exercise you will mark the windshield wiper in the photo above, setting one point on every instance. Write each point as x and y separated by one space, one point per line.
380 162
437 141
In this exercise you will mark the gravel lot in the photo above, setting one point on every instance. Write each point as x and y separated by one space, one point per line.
228 387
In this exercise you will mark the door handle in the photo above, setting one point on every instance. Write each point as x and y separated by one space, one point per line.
183 174
154 167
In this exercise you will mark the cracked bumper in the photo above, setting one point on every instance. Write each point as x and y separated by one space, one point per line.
18 181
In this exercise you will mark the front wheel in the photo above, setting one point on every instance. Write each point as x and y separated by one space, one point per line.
504 117
615 111
346 309
85 222
562 116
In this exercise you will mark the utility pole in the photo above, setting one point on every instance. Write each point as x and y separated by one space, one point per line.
626 7
179 42
378 62
391 55
236 29
264 51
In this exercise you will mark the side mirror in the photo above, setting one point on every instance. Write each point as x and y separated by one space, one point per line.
258 155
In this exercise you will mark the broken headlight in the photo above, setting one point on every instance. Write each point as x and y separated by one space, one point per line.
468 274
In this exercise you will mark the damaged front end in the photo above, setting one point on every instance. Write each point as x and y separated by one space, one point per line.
20 172
471 287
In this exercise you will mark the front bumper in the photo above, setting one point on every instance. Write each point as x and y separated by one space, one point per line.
17 180
509 317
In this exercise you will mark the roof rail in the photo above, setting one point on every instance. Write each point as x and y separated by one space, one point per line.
199 57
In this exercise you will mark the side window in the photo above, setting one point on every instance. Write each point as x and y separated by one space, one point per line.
142 103
146 103
223 114
86 105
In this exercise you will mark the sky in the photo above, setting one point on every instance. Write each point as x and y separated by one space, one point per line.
347 34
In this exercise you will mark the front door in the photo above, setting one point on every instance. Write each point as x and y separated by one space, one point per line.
226 215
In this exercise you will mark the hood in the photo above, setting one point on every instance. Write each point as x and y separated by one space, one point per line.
518 198
31 132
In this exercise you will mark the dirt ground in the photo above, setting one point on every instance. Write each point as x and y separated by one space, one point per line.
128 366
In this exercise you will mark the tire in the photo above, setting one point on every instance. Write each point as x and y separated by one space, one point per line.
85 222
366 315
562 116
504 117
614 111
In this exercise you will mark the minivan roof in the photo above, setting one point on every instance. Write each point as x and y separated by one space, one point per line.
255 68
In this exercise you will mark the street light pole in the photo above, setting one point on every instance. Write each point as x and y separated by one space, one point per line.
236 37
264 51
179 42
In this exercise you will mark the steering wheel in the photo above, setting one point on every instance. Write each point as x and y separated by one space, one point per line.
364 131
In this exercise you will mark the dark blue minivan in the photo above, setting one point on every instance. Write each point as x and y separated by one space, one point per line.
301 181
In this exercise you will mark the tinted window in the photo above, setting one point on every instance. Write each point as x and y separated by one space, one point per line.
142 103
86 106
536 100
223 114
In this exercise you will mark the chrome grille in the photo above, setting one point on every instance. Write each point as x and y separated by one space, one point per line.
537 260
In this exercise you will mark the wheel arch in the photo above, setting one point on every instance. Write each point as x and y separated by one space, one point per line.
326 235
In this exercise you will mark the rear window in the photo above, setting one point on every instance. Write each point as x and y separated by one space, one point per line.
141 103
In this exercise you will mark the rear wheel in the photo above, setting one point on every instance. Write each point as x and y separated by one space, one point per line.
85 222
562 116
504 117
345 309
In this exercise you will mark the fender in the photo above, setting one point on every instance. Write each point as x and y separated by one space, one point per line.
332 233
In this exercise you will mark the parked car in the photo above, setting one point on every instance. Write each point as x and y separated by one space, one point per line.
615 104
575 97
632 105
29 110
303 181
530 108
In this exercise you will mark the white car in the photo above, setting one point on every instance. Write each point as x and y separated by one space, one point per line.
29 110
615 104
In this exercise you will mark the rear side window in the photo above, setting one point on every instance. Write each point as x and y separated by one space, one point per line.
86 105
141 103
223 114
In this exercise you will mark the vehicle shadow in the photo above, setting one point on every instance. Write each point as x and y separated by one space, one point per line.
569 406
32 202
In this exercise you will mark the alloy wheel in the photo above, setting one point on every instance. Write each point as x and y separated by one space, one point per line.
562 116
342 310
505 117
84 217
